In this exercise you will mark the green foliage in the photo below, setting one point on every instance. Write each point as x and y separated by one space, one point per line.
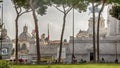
21 3
39 5
114 1
98 2
80 5
4 64
107 1
115 11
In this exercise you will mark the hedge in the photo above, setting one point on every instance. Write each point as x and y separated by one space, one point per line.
4 64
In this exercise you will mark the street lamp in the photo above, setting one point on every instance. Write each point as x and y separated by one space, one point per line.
1 24
73 56
1 38
116 60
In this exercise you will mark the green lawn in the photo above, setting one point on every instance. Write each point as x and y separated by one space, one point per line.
69 66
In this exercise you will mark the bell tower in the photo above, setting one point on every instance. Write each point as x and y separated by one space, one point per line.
25 29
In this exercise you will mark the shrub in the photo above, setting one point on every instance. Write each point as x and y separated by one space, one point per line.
4 64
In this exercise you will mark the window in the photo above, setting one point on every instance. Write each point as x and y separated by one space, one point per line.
4 51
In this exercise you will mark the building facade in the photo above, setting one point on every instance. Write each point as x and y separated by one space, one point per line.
6 45
109 43
83 45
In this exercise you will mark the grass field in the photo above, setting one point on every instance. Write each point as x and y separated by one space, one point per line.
69 66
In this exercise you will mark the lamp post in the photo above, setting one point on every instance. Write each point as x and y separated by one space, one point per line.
73 56
1 39
116 60
1 24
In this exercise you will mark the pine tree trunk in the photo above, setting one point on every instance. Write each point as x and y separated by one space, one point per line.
61 39
94 46
16 44
98 27
37 36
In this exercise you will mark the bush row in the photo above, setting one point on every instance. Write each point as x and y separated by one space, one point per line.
4 64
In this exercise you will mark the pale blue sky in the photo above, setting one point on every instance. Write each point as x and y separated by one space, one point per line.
53 18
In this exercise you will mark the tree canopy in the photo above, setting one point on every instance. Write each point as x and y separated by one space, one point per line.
80 5
39 5
21 3
114 1
115 11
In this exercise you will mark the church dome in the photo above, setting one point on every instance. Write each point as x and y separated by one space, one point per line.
24 36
